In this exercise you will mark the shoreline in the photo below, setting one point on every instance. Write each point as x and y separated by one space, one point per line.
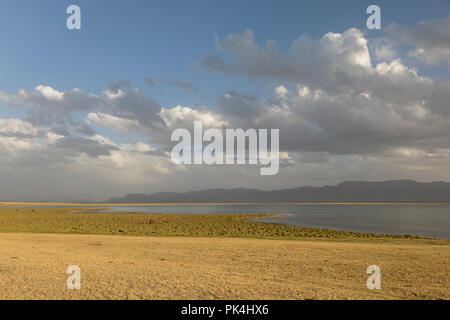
262 218
65 220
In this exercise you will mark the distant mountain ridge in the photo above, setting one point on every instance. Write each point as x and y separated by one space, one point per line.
395 191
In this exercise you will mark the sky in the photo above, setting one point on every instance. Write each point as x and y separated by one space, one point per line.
88 114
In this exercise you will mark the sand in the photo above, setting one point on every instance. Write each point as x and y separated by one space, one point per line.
33 266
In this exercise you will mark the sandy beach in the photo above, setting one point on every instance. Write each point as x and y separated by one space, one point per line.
33 266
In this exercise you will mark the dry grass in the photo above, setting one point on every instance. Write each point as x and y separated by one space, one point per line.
59 220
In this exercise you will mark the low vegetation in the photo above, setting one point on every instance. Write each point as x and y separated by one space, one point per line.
58 220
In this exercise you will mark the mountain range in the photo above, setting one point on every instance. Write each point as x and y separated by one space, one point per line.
397 191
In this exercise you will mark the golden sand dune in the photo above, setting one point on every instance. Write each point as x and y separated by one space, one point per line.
33 266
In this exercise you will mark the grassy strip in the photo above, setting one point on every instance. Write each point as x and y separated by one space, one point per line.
58 220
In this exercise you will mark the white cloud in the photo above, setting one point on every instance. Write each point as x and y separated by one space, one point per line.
344 104
116 123
385 52
50 93
184 117
18 127
113 95
281 91
13 145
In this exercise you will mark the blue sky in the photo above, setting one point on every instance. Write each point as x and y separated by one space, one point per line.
138 39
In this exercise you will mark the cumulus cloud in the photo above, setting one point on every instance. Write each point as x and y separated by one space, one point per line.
135 105
18 128
332 62
340 102
184 117
116 123
281 91
47 105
